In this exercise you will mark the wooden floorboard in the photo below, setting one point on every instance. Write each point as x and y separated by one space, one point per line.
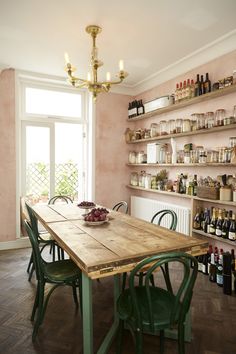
213 316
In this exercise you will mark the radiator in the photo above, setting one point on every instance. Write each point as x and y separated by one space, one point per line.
144 208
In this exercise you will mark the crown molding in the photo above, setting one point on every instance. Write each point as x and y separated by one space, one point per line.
213 50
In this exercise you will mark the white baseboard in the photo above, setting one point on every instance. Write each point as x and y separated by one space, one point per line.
22 242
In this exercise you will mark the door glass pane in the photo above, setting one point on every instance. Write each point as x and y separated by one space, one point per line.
37 163
68 159
52 103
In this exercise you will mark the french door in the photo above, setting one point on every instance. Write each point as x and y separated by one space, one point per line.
53 160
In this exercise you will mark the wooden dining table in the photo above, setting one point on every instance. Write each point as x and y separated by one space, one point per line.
109 249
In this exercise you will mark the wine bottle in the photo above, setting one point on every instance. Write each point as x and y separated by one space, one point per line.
225 226
207 222
205 264
197 87
212 227
197 221
227 274
219 270
184 90
180 92
219 224
232 229
140 107
203 220
129 110
188 90
212 270
192 89
202 90
195 185
207 84
233 274
209 253
200 263
177 93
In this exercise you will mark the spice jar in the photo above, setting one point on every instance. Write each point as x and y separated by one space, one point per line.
134 179
180 156
154 130
186 126
132 157
213 156
219 117
210 120
163 128
179 125
172 126
202 156
198 149
147 134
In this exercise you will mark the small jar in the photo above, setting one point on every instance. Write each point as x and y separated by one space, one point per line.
200 121
141 179
202 156
168 157
179 125
140 157
128 135
132 157
138 135
134 179
213 156
147 134
198 150
186 157
228 154
148 181
193 156
186 126
222 154
180 156
163 127
219 117
232 141
210 120
154 130
163 154
172 126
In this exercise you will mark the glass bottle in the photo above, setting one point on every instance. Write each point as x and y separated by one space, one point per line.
197 87
212 228
219 117
172 126
197 221
232 229
225 226
219 224
154 130
134 179
207 84
210 120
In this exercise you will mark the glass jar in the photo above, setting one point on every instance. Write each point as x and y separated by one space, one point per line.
172 126
198 149
219 117
232 141
140 157
148 181
193 156
132 157
141 179
138 134
147 134
186 126
180 156
179 125
168 157
222 154
163 127
228 154
202 156
213 156
128 135
134 179
187 157
210 120
154 130
200 121
163 150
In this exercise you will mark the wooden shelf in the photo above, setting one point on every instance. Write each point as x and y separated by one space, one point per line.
176 106
179 135
182 164
216 238
178 195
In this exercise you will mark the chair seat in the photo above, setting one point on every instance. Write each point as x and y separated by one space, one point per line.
162 305
60 271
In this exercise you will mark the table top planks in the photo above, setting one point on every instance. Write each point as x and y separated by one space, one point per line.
113 247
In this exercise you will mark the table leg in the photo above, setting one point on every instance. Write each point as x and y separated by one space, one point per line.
112 331
87 314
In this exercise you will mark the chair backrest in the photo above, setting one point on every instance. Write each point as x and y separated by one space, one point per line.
38 261
121 205
64 198
182 294
33 220
161 214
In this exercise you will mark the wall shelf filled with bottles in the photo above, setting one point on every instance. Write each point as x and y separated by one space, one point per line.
210 164
179 135
180 105
213 237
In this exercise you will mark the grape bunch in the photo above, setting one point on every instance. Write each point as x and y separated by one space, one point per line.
85 204
96 214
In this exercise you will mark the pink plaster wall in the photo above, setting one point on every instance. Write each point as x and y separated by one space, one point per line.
112 175
7 156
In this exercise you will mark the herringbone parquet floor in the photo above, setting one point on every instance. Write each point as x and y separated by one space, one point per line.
213 316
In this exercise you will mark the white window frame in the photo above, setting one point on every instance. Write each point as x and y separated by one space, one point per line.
23 80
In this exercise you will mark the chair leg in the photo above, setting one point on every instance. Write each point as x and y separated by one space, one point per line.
30 262
181 345
75 294
152 280
162 341
138 342
62 254
58 253
36 302
53 252
31 272
40 311
140 276
124 277
120 337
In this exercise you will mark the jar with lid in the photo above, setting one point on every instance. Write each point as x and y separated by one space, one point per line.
232 141
154 131
198 149
180 156
132 157
210 120
202 156
172 126
222 154
128 135
141 179
147 134
200 121
194 121
179 125
186 126
187 157
212 156
219 117
140 157
163 150
134 179
163 127
193 156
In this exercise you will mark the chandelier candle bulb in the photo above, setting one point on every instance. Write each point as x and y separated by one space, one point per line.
108 76
67 59
89 76
121 65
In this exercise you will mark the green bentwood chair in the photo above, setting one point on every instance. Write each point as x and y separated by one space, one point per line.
121 206
152 309
63 272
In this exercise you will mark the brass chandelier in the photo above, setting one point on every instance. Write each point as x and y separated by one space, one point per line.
92 83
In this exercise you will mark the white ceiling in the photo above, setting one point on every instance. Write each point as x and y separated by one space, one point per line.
149 35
